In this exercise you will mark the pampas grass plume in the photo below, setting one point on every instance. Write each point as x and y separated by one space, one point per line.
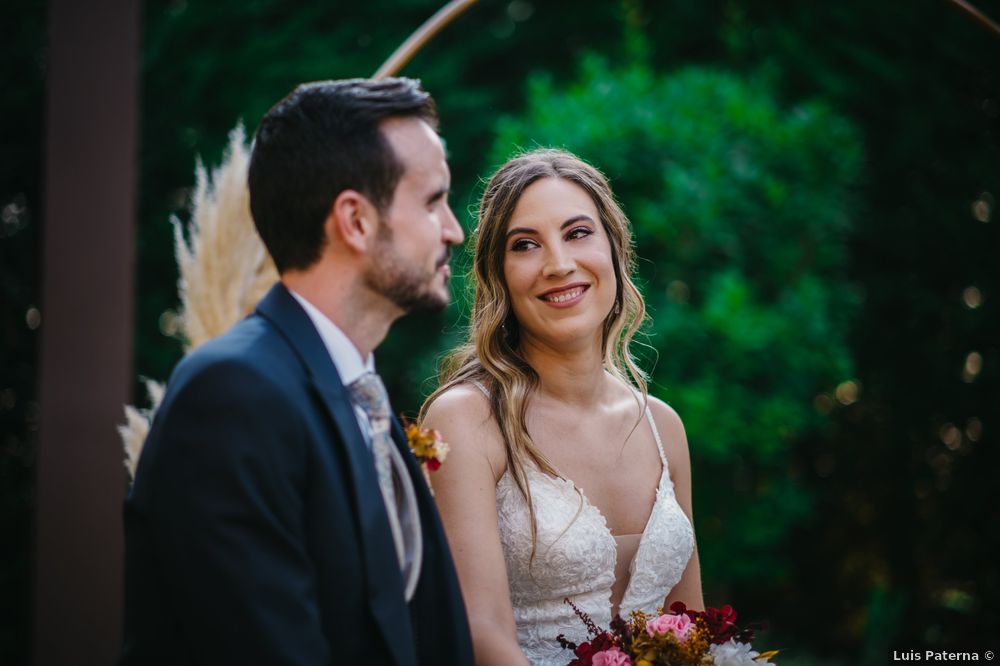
137 421
224 270
224 267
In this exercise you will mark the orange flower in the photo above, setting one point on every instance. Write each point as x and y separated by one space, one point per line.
427 446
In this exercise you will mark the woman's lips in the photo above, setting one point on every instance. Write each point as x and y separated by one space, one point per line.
565 297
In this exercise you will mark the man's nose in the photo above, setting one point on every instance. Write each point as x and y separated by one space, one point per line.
452 232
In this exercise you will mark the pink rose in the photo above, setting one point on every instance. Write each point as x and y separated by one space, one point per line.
611 657
680 625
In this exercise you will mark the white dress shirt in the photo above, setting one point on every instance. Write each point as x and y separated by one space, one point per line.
345 355
405 521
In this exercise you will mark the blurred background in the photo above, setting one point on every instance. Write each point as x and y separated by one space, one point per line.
813 191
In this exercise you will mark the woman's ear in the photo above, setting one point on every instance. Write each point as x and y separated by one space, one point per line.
352 221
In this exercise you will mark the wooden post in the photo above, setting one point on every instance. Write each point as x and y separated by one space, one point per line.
86 329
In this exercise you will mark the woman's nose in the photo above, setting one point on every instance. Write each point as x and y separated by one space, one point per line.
558 263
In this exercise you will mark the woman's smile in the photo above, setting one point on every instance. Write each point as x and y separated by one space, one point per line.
558 266
564 297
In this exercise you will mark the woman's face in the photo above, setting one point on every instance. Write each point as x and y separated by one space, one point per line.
557 264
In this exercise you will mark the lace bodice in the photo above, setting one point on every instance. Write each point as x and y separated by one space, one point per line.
575 558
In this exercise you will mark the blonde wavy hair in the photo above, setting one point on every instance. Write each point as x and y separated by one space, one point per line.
491 356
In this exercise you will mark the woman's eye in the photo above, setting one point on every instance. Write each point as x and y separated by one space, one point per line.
521 245
579 232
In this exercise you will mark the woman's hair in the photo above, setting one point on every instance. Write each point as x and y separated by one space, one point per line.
491 357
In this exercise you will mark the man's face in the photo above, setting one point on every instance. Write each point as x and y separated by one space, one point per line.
416 232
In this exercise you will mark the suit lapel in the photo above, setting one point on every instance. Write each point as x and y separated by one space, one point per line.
412 466
429 519
438 594
385 582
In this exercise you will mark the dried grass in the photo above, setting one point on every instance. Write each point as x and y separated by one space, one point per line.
224 268
224 271
137 421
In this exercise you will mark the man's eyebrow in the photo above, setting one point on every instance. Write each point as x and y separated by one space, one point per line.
437 194
529 230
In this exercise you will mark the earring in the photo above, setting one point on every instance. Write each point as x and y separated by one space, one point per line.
618 307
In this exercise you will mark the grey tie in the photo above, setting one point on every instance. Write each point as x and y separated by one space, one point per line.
369 393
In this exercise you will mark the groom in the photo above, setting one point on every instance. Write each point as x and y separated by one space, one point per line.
277 514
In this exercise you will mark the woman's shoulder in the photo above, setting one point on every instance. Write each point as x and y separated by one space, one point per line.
664 413
465 403
462 414
670 427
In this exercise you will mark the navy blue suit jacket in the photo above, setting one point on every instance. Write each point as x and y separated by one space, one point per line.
255 532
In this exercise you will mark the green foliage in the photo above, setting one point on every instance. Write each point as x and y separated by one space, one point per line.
207 66
895 529
741 208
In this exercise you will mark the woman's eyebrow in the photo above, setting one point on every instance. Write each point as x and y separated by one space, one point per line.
576 218
520 230
529 230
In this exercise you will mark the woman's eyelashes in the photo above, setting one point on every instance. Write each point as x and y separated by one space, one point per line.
524 244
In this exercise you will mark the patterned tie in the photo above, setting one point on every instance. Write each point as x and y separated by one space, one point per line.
369 393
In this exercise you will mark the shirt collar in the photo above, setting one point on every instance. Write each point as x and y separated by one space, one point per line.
345 355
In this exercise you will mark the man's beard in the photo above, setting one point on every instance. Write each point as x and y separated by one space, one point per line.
409 287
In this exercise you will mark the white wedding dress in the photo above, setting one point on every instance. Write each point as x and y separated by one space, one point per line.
576 557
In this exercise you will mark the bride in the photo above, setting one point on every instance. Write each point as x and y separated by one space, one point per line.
565 478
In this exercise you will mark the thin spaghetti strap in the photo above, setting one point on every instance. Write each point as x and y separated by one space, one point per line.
656 434
478 385
652 426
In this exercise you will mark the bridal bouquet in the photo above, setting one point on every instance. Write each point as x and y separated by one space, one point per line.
680 637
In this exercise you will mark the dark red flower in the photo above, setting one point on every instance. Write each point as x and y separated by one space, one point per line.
584 655
621 629
602 642
721 622
680 608
585 651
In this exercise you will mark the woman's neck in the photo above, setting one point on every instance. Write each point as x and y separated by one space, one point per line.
573 375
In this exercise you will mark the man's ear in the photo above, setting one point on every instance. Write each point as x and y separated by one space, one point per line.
352 219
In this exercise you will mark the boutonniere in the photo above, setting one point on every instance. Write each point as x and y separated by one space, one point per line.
427 447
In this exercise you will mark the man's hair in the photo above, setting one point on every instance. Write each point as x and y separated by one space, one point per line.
320 140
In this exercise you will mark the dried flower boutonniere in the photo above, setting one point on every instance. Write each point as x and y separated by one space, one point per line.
427 447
